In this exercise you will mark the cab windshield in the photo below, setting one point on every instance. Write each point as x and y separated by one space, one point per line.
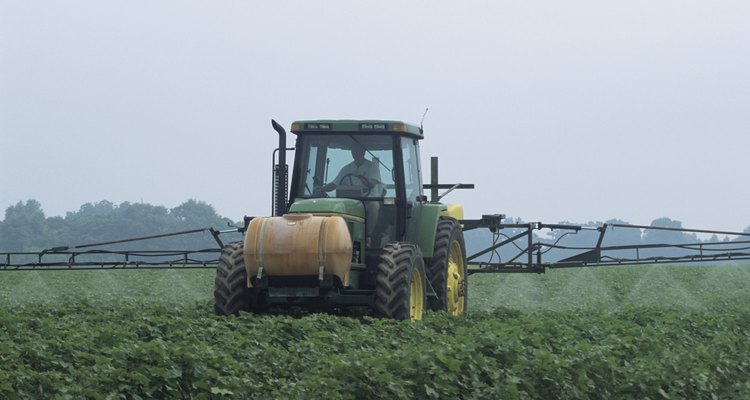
351 166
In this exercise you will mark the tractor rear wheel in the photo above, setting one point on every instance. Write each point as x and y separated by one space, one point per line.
400 287
231 294
447 268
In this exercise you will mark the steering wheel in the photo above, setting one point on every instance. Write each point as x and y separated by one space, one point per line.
365 186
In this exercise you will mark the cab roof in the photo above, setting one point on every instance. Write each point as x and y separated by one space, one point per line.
357 126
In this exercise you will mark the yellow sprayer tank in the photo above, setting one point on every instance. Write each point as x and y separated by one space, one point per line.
298 245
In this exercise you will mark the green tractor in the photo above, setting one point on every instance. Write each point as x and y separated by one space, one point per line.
355 230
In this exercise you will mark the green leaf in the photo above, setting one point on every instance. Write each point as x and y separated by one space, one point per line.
220 391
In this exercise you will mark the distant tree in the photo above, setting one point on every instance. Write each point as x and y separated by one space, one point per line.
665 236
197 213
741 238
144 219
93 222
653 236
101 208
24 227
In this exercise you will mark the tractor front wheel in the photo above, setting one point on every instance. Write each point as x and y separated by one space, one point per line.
400 288
231 294
447 268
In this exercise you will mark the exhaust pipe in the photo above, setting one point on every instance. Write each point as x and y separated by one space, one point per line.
280 173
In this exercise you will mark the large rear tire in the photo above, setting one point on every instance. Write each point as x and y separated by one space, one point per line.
447 268
231 294
400 287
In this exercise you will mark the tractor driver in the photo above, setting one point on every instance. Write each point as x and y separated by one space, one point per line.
360 172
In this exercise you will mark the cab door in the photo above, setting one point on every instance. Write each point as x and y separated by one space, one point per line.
413 194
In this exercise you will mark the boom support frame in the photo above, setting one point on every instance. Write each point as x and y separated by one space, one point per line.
80 257
529 257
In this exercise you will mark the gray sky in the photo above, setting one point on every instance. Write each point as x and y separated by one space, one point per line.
574 110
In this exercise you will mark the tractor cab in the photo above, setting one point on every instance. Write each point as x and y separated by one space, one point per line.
366 170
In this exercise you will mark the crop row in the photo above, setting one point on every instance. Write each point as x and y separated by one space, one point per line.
579 334
143 350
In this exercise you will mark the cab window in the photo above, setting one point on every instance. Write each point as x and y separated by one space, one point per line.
412 175
326 158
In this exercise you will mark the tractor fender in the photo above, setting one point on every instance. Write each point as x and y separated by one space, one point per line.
428 217
425 226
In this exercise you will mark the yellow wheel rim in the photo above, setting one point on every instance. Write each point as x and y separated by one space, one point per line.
416 296
456 280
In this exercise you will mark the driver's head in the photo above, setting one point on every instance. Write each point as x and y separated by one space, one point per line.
358 153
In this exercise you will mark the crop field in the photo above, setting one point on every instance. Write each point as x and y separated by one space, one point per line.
658 332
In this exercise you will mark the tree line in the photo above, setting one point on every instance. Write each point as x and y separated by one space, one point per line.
26 228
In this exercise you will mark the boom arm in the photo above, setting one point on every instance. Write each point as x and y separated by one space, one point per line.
530 253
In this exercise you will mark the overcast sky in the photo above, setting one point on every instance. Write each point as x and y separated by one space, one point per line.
555 110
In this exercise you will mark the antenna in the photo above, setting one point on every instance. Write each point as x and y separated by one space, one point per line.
421 123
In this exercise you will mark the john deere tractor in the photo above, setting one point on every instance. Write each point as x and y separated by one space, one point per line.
355 230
